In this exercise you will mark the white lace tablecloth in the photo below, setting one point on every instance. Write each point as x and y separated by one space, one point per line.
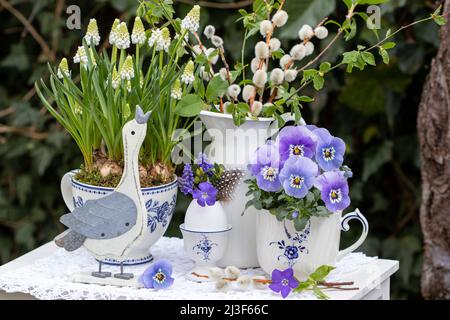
49 277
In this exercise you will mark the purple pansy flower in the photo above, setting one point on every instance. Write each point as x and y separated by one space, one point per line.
283 281
205 194
157 276
186 181
296 141
204 163
265 166
298 175
334 189
329 150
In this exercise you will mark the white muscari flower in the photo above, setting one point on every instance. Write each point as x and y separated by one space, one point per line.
265 27
128 86
298 52
306 32
160 38
115 80
254 65
280 18
78 109
176 91
188 74
92 33
256 108
285 60
277 76
63 68
309 48
212 59
123 37
138 34
209 31
290 75
261 50
232 272
321 32
80 56
274 44
217 41
233 91
192 20
127 69
113 33
248 92
260 78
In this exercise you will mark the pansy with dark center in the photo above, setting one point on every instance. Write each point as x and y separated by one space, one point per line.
329 150
296 141
265 167
157 276
334 190
297 176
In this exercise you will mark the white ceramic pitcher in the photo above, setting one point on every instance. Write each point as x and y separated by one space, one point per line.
233 147
280 246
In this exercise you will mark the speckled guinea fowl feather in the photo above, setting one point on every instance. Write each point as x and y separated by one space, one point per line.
227 184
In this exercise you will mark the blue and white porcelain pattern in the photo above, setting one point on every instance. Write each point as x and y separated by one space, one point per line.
204 247
160 203
293 247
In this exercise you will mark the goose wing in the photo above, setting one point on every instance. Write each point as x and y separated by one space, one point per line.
104 218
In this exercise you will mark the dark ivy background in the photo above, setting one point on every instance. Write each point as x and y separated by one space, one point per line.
374 112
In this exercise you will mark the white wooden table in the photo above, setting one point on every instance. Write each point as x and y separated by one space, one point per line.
373 280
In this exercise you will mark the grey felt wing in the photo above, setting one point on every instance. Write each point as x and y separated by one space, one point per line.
104 218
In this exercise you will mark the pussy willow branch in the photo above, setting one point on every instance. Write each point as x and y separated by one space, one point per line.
377 45
215 5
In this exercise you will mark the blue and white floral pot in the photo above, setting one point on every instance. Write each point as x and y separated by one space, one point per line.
205 248
280 246
160 202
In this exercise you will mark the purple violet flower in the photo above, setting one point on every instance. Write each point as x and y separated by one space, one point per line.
296 141
298 175
265 166
329 151
204 163
283 281
186 181
334 190
205 194
157 276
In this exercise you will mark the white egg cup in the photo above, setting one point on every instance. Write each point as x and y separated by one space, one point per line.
205 248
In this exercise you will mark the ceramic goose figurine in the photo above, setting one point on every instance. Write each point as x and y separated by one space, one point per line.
109 226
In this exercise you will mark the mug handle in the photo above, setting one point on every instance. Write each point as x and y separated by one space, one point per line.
288 116
345 227
66 190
